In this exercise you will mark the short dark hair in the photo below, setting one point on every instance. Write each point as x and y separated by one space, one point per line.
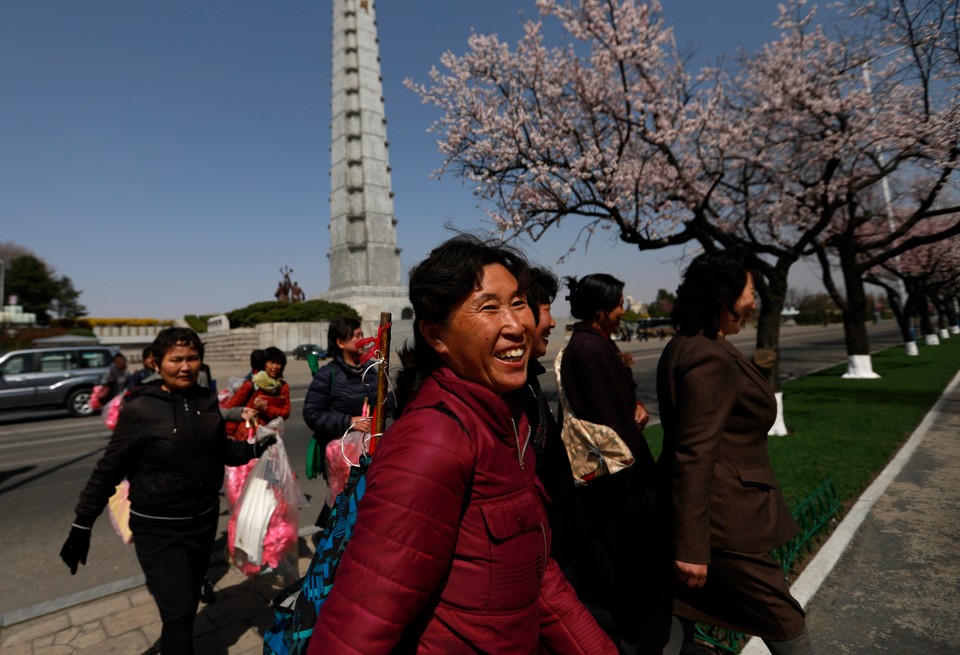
169 338
258 358
713 282
341 329
592 294
276 356
146 352
542 288
438 284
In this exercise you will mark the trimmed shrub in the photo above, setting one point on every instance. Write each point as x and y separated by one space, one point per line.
289 312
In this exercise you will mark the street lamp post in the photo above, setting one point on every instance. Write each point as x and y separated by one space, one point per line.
910 346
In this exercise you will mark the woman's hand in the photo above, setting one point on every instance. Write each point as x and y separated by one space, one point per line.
361 423
641 415
248 414
627 359
692 575
259 404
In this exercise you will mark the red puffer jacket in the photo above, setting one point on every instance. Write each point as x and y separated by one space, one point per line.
450 553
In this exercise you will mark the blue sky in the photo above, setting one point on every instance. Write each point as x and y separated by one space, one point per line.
170 157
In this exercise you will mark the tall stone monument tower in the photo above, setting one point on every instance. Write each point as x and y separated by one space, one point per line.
364 257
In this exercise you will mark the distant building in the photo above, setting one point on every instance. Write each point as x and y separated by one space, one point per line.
13 314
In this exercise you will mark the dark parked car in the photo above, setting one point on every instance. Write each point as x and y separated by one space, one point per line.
300 352
53 377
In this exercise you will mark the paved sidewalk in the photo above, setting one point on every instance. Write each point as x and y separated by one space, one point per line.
886 581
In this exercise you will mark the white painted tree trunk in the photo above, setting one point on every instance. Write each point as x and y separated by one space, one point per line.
944 333
911 348
931 340
860 367
779 427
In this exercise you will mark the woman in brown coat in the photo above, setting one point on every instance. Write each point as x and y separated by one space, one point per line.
725 509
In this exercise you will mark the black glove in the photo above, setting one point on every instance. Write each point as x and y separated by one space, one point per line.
76 547
261 446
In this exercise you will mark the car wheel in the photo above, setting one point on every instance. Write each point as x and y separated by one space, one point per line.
78 402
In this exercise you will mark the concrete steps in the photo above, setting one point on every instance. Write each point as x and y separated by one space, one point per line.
230 346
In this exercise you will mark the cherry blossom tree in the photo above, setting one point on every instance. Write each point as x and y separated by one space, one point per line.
930 274
611 137
908 169
611 132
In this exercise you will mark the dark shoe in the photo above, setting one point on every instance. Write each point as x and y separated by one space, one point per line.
207 594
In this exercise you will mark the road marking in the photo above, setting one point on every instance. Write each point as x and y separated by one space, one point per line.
50 440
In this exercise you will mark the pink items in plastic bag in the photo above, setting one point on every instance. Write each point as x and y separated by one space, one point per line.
112 411
236 476
341 454
262 532
96 396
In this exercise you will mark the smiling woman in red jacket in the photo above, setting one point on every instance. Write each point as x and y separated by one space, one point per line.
451 549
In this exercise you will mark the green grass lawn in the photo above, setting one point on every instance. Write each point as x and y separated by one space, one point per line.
849 429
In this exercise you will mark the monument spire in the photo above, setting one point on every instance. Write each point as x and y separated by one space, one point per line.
364 258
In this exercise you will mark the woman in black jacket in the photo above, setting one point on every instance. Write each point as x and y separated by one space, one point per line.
553 465
171 445
615 509
335 397
338 393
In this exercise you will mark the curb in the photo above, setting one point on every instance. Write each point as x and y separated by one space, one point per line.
65 602
813 576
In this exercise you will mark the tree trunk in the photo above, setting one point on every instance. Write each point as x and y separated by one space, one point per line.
899 306
899 313
954 321
943 320
773 293
855 314
926 325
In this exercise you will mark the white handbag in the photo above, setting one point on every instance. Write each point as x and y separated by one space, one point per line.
594 449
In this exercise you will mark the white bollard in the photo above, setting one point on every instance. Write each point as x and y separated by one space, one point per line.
779 427
911 347
860 367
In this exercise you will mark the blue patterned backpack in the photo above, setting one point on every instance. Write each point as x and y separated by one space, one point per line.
297 606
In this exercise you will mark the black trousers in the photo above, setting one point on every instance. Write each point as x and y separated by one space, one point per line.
174 556
614 569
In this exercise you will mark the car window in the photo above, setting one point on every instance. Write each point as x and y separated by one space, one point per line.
61 360
16 365
95 358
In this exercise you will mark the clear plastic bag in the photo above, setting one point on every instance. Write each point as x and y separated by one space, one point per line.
263 530
97 396
342 454
112 411
225 393
236 476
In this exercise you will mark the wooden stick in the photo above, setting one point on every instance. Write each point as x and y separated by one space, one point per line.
383 385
